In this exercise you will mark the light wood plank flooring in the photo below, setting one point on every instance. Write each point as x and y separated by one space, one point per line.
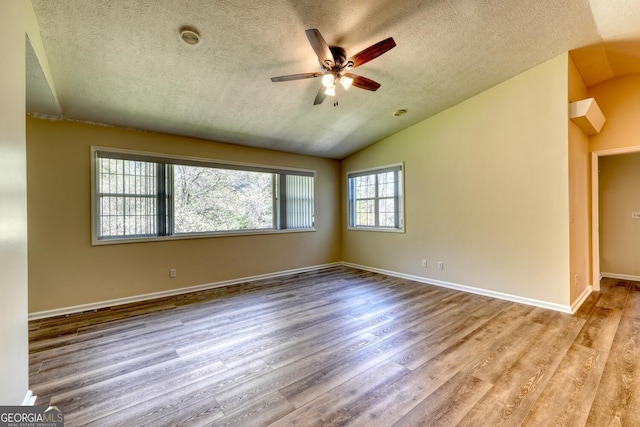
340 347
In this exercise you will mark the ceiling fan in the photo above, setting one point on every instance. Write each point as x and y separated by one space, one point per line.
336 67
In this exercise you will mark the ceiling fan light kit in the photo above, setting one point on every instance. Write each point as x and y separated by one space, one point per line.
346 82
330 91
328 80
336 66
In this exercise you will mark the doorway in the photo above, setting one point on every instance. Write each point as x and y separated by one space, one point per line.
595 207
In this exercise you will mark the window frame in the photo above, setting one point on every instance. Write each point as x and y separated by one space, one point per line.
398 198
162 158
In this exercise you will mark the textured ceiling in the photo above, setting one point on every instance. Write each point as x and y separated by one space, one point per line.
121 62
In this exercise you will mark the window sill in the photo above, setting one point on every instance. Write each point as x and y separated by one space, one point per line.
378 229
96 242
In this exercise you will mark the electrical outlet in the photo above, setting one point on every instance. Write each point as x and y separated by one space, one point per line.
424 263
172 273
440 265
635 215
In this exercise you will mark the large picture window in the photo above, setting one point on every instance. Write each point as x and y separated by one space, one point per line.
375 199
142 196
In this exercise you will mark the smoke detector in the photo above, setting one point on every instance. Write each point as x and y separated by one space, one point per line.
189 35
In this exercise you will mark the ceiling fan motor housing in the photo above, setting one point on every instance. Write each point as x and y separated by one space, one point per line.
339 56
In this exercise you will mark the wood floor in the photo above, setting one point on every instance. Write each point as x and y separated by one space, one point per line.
340 347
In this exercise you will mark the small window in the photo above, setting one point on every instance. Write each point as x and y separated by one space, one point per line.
375 199
141 196
127 199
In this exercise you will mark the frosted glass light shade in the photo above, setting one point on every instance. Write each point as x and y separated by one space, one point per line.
346 82
328 80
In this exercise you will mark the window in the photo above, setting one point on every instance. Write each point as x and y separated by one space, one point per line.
375 199
141 196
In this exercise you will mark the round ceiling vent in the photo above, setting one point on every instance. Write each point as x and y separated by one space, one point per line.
189 35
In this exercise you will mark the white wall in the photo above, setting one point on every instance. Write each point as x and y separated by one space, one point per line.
487 192
14 369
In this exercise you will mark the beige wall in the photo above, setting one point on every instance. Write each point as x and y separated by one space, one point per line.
65 270
619 196
487 191
14 368
579 201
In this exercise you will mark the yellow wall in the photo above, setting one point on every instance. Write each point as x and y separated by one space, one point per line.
486 191
579 201
619 100
14 368
65 270
619 233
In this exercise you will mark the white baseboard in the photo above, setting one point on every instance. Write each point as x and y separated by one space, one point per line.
578 302
470 289
144 297
138 298
620 276
29 399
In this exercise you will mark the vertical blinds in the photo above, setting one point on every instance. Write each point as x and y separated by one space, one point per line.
300 209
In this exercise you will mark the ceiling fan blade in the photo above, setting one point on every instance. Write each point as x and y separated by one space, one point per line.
363 82
295 77
320 47
372 52
320 96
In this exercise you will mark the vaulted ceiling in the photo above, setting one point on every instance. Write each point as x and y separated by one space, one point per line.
123 63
